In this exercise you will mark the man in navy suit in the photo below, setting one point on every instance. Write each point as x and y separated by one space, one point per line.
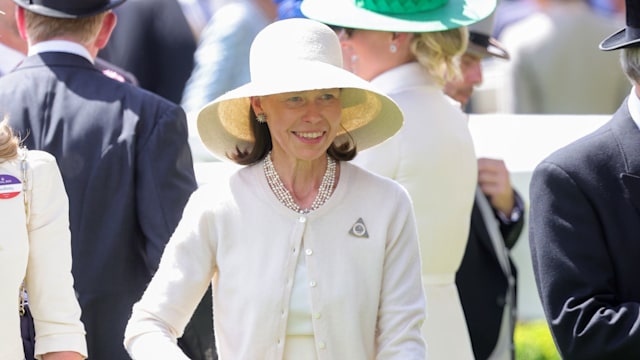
585 226
122 151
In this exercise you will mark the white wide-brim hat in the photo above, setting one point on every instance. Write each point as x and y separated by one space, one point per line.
398 15
298 55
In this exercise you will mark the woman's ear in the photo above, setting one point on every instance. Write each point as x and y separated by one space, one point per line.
402 36
256 104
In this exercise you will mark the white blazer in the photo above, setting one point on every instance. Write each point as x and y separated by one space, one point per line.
433 157
39 252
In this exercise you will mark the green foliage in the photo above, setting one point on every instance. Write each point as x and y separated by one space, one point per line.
533 341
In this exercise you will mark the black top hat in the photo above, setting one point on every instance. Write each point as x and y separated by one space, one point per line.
484 45
629 36
68 9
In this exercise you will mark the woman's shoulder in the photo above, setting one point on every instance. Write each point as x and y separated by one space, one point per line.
220 186
39 160
368 180
40 156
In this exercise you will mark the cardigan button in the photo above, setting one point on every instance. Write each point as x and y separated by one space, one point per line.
322 345
302 219
312 284
308 252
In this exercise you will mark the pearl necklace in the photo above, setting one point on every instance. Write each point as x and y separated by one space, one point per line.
284 196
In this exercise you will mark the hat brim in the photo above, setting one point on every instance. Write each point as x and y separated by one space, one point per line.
368 117
493 49
620 39
70 14
454 14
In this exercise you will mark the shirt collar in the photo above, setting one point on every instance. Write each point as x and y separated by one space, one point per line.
60 46
634 106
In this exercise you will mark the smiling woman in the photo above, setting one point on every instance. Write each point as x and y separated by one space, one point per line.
302 258
302 125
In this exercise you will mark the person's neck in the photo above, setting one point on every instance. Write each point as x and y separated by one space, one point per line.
301 177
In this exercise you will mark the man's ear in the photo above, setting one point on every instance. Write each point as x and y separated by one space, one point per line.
108 24
20 22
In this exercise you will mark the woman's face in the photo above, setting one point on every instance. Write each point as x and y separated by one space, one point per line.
302 124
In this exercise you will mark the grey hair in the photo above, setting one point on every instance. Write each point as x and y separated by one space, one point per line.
630 61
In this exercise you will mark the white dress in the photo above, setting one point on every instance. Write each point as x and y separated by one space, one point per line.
433 157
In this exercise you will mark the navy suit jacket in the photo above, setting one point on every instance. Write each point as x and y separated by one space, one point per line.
585 242
482 284
128 172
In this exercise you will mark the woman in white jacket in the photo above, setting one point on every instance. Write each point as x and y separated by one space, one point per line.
409 50
35 246
311 257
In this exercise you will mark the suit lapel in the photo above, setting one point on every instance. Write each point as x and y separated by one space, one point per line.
628 137
632 184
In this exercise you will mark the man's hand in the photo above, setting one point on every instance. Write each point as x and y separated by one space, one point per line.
493 179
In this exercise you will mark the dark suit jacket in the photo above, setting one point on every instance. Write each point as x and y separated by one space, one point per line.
128 172
153 40
482 284
115 72
585 242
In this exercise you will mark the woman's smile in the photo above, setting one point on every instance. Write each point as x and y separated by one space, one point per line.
308 135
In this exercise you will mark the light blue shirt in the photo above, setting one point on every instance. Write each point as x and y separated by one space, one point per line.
222 56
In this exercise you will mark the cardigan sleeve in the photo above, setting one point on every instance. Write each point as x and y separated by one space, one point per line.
402 299
49 280
185 272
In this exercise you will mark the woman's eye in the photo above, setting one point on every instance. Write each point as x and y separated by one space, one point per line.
328 96
295 99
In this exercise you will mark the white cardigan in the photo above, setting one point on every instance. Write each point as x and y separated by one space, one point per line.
433 157
42 249
367 301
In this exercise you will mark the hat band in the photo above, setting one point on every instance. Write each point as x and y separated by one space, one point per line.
632 33
479 39
71 7
400 6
